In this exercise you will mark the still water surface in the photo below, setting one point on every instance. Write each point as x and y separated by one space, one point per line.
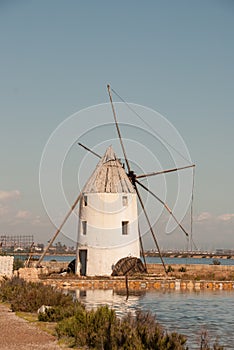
188 313
152 260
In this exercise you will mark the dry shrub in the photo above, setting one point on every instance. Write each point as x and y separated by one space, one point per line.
29 296
101 329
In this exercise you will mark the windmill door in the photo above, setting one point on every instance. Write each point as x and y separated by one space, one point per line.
83 261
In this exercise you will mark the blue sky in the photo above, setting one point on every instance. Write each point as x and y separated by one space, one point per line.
174 57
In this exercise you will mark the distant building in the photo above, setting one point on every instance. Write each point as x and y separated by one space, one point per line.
224 251
11 243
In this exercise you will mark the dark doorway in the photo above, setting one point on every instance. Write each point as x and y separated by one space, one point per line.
83 261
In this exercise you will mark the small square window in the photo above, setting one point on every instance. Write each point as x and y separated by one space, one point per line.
125 201
124 227
84 227
85 201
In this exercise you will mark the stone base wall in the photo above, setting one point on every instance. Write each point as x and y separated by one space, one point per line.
54 266
29 274
140 285
196 277
191 279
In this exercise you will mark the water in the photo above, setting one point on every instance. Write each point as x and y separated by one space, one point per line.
188 261
188 313
152 260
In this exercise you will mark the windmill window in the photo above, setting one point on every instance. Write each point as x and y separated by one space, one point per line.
84 227
125 201
124 227
85 198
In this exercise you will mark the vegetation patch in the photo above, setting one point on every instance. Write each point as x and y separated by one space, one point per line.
182 269
170 268
102 329
58 312
95 329
17 264
28 316
29 297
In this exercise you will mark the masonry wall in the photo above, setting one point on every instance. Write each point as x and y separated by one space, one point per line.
140 285
6 265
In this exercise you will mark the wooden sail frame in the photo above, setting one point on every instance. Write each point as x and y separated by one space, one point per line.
134 180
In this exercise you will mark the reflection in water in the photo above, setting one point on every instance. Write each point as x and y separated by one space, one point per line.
114 299
186 312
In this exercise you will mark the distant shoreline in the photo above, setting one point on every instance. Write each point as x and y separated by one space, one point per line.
195 255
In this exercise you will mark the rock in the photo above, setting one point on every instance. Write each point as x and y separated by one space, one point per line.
43 309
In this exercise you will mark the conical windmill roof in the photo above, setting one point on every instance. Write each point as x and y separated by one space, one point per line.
109 176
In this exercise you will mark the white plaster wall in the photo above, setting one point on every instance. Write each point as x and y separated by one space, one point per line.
104 215
101 261
104 240
6 265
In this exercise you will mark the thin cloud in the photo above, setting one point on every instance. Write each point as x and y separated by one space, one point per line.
40 222
36 220
4 210
5 195
23 214
204 216
225 217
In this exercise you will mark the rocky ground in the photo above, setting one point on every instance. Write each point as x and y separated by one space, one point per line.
19 334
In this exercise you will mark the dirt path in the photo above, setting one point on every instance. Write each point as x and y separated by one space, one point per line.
18 334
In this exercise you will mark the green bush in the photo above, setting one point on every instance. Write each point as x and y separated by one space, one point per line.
170 268
216 262
58 313
18 263
29 296
101 329
182 269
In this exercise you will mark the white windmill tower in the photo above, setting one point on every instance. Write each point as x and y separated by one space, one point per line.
108 219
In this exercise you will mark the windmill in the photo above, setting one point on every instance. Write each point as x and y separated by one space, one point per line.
108 219
104 182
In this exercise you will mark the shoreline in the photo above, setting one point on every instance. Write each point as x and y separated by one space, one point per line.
183 255
135 285
180 277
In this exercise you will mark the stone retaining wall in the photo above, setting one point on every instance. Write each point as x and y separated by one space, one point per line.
144 284
53 266
185 280
29 274
175 280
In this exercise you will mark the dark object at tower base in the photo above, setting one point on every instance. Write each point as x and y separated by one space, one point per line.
128 266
